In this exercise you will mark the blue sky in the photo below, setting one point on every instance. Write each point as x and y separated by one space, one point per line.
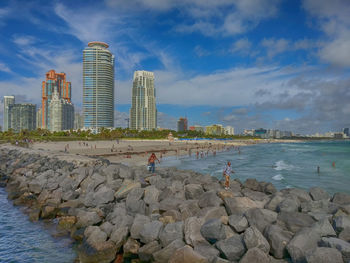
246 63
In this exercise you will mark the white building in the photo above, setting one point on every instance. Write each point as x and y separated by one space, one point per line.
143 112
8 100
61 114
229 130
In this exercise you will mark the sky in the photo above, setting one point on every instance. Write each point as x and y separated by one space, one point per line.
277 64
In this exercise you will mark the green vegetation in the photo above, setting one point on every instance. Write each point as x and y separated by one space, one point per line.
104 134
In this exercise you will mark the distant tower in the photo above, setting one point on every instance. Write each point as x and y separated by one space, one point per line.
182 124
98 86
61 114
55 82
8 100
22 117
143 112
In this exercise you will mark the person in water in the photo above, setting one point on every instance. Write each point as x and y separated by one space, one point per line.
151 161
226 173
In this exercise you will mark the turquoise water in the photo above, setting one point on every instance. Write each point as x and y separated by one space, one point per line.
25 242
283 164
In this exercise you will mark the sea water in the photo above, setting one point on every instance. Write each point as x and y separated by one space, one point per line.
25 242
284 164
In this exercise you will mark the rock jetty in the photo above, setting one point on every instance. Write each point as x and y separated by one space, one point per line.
117 213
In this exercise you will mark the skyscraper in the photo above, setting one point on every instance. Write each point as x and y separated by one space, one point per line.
98 86
8 100
61 114
143 112
55 82
22 117
182 124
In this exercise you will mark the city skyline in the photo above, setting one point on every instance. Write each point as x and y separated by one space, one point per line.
249 64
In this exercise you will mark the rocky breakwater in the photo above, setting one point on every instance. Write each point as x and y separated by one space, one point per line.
117 212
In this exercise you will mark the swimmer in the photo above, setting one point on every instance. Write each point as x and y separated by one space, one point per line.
333 164
318 169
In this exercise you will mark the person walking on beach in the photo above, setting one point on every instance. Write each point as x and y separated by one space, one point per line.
151 161
227 171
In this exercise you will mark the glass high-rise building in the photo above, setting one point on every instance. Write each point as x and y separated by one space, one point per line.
22 117
143 112
98 86
8 100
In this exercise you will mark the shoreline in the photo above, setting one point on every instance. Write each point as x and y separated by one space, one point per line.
116 211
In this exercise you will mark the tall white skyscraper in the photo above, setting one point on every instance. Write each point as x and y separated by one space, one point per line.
143 112
8 100
98 86
61 113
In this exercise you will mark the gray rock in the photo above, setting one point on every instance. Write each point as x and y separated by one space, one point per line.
232 248
303 241
238 222
341 199
260 218
207 251
170 204
192 232
95 236
341 245
256 195
294 221
324 228
145 252
253 238
104 195
269 189
135 206
220 260
252 184
320 215
238 205
159 182
150 231
186 254
151 195
212 230
131 247
138 224
341 222
119 217
119 236
85 218
189 208
212 212
107 227
126 188
323 206
278 240
317 194
274 201
164 254
255 255
171 232
289 204
301 194
345 235
102 252
324 255
209 199
193 191
35 186
135 194
126 172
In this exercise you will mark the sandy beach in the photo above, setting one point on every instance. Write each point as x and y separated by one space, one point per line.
136 152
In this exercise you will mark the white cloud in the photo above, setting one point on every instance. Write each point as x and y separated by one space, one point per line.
275 46
242 46
4 68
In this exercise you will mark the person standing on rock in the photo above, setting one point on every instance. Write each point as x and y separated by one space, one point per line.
151 161
227 171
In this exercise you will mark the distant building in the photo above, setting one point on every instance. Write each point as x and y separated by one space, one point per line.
248 132
229 130
346 131
260 132
61 114
338 135
182 124
22 117
55 82
39 118
143 112
197 128
215 129
78 121
98 86
8 100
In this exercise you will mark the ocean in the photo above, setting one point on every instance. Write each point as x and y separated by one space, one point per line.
283 164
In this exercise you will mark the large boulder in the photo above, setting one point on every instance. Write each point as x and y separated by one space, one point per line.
289 204
165 254
126 188
324 255
213 230
341 222
276 199
189 208
102 252
238 222
255 255
145 252
253 238
207 251
186 254
232 248
301 194
345 235
193 191
294 221
171 232
260 218
138 224
150 231
107 227
341 245
209 198
317 194
324 228
103 195
192 231
252 184
212 212
119 216
119 236
86 218
341 199
239 205
278 240
303 241
131 247
151 195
